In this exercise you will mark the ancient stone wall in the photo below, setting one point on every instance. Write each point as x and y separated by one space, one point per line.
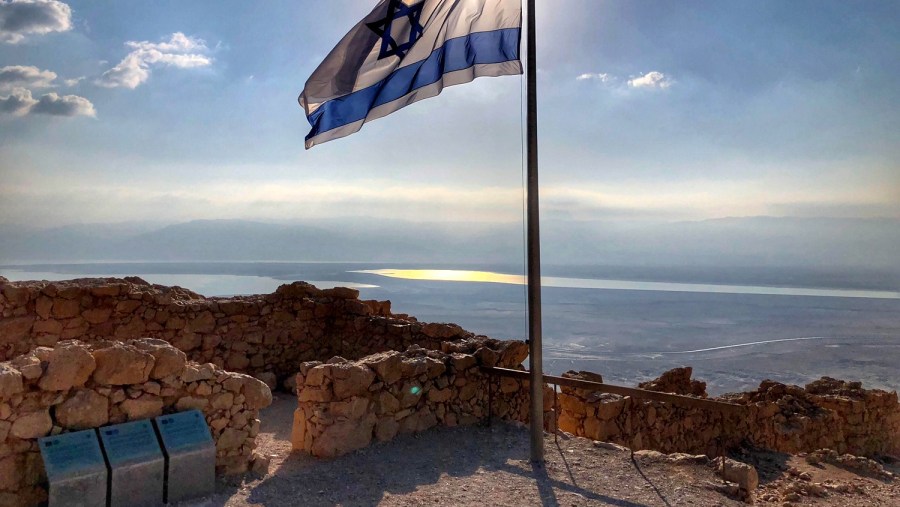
346 405
827 413
76 386
269 334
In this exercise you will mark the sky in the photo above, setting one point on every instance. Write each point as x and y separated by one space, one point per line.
170 111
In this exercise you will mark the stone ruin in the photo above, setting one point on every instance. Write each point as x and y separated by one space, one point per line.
84 353
75 386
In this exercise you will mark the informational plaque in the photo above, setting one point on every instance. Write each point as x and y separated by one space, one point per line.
76 470
190 455
136 464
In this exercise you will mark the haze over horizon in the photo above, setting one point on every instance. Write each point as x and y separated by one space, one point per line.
649 111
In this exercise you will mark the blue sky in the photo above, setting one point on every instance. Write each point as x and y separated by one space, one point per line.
170 111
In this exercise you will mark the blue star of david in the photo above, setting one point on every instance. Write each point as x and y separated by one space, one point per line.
398 10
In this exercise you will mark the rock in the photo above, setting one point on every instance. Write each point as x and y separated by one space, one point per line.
97 315
10 381
742 474
230 439
168 359
144 406
268 378
204 323
65 308
677 381
17 296
69 365
32 425
187 341
11 473
341 293
223 401
513 354
260 465
386 365
191 403
15 330
83 410
196 373
351 379
386 429
343 437
257 394
121 364
29 366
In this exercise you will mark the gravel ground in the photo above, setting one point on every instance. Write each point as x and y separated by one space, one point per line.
486 466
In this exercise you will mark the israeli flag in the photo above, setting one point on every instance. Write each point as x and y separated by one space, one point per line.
405 51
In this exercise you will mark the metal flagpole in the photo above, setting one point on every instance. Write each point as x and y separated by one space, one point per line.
534 248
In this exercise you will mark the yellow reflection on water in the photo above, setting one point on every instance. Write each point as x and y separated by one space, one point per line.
449 275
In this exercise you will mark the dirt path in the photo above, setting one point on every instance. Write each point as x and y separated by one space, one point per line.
483 466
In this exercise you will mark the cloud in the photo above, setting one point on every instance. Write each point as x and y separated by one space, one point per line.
653 79
66 105
21 76
19 18
596 76
20 103
73 81
17 103
179 51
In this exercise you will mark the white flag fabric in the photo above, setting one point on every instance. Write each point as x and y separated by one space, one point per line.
405 51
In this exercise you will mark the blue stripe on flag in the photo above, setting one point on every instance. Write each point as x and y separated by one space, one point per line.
497 46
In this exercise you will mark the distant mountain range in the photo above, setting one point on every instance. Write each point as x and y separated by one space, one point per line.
754 241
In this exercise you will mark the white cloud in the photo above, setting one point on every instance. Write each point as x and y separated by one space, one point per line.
20 103
19 18
596 76
653 79
21 76
73 81
17 103
66 105
179 51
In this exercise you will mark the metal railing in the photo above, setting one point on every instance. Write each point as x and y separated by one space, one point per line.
722 407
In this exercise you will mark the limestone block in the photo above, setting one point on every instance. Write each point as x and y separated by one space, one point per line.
69 365
256 393
343 437
32 425
168 359
11 472
142 407
187 341
744 475
97 315
351 379
48 327
65 308
15 330
230 439
83 410
439 395
10 381
462 362
354 408
121 364
43 306
190 402
386 365
223 401
386 429
195 373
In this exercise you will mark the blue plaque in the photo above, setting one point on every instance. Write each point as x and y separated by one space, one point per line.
190 455
136 463
183 430
76 470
